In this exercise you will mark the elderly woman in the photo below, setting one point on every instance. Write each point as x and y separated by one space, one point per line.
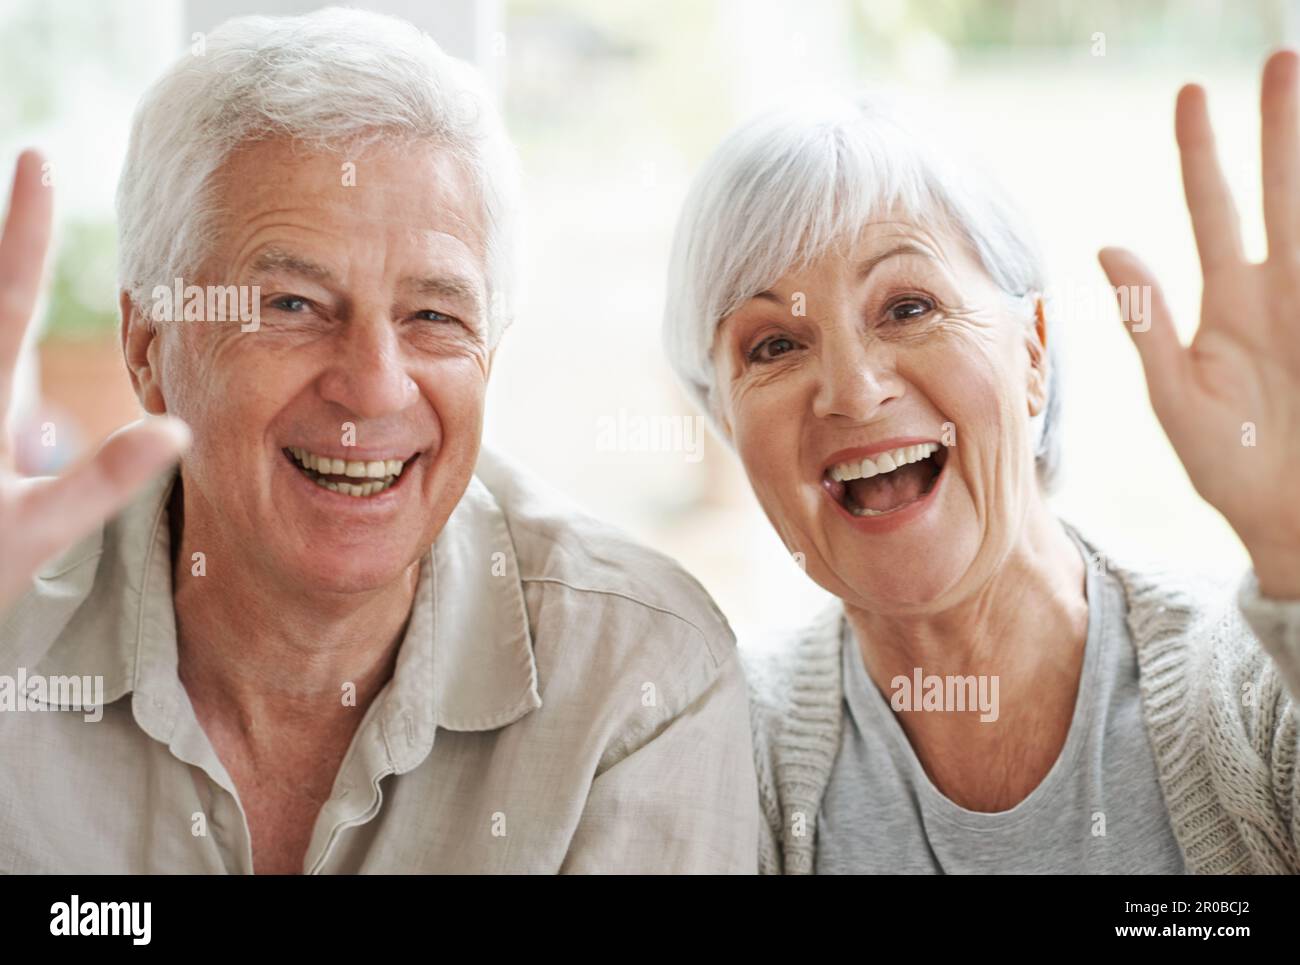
867 329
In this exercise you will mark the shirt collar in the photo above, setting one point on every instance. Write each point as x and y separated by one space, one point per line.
466 662
468 642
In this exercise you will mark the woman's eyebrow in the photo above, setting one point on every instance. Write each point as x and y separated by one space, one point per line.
904 248
865 269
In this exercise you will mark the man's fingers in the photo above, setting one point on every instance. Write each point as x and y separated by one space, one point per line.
1209 201
58 512
23 243
1147 317
1279 112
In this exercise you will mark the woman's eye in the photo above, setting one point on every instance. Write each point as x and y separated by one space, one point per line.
770 348
908 309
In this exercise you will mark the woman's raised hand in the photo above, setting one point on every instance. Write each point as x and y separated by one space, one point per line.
1230 401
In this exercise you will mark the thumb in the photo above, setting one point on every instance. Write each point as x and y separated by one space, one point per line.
1146 316
66 508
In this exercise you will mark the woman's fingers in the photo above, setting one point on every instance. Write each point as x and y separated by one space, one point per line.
1280 152
1214 216
58 512
1146 315
23 243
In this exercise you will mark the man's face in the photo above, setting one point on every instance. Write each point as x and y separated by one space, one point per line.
371 350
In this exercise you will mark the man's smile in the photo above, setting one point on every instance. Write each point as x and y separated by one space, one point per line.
350 477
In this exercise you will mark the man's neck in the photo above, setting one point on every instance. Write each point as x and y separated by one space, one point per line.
272 654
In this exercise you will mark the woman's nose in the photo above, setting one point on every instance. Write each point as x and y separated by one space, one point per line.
369 376
856 378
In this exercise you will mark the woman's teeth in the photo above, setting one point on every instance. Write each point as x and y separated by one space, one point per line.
882 462
864 511
372 477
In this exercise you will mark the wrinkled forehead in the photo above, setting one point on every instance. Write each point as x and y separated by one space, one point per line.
927 244
890 228
413 184
840 213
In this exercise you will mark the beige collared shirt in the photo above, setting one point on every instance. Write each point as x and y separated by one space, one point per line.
563 701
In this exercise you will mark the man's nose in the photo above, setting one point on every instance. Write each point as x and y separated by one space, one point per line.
856 377
368 376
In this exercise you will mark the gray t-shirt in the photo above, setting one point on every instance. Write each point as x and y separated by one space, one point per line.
881 814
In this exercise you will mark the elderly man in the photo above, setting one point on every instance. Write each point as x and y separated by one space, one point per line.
338 639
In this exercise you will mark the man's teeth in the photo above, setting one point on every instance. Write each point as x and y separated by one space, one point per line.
882 462
375 475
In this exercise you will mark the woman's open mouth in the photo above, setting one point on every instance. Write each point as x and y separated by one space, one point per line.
886 482
358 478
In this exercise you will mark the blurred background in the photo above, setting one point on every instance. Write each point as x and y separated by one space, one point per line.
613 106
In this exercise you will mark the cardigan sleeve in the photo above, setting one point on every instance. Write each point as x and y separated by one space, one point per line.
765 722
1276 624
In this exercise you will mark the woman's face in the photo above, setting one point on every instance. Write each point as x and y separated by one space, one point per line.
897 341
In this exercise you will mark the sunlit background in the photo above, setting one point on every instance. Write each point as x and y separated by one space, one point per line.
613 105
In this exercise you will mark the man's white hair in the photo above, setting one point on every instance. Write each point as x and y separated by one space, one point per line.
784 188
335 79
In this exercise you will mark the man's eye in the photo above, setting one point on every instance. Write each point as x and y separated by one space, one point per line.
909 309
429 315
771 348
289 303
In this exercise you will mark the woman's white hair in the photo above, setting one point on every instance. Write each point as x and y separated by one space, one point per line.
335 79
787 186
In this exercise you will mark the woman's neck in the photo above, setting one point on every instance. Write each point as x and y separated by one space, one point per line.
1021 636
1035 597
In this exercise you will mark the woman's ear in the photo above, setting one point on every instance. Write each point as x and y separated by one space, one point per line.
140 349
721 422
1036 342
712 402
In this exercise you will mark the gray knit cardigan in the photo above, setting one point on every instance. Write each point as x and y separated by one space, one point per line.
1219 676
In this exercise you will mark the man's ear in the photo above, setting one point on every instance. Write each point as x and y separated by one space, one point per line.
1036 341
140 349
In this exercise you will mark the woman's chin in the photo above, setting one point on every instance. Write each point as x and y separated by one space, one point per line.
913 569
899 591
908 585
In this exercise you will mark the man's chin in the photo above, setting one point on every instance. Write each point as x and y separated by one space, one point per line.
350 571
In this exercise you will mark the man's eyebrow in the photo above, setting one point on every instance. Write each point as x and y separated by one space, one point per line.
277 259
446 286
